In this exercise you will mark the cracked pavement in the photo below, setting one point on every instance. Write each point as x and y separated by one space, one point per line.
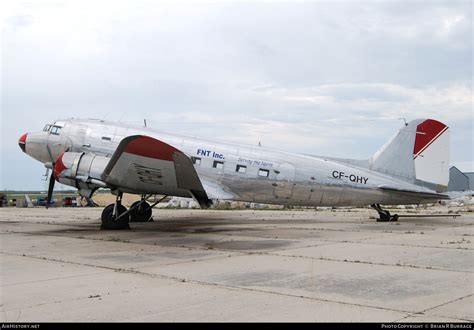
209 265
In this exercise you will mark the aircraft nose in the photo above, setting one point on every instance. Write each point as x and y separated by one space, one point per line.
22 142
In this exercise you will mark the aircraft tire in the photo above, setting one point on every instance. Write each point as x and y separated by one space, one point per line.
384 216
142 213
111 224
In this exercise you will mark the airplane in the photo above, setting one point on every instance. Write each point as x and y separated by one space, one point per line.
89 154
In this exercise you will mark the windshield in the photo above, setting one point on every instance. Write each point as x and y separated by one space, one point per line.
56 130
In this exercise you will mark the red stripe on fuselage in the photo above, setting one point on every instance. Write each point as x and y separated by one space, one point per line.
426 133
152 148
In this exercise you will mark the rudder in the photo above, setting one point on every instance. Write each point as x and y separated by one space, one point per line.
431 153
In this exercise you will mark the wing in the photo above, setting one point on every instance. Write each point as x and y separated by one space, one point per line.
144 165
413 193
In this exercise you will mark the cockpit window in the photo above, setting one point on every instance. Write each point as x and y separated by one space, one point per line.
46 128
56 130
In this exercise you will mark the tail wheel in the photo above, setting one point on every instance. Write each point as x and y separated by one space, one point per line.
142 213
109 221
384 215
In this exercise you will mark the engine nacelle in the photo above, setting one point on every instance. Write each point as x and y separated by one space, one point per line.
81 170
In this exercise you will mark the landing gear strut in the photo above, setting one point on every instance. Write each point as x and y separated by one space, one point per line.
115 216
384 215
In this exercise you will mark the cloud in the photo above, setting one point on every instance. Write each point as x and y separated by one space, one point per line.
315 77
365 100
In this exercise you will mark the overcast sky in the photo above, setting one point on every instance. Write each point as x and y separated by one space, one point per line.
328 78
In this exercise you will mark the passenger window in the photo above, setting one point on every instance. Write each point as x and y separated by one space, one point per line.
56 130
196 160
241 169
263 173
217 164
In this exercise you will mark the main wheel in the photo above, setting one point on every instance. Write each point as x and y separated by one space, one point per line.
384 216
140 214
110 222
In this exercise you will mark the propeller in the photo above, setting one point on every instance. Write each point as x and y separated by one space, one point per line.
52 180
56 170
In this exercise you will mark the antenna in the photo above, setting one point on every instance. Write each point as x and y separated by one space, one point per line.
406 124
144 122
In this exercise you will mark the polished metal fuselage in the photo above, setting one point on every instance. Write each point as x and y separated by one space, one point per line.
237 172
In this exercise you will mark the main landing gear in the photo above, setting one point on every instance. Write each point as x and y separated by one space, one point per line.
117 217
384 215
140 211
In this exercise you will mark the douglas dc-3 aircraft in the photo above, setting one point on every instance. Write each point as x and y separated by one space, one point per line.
91 154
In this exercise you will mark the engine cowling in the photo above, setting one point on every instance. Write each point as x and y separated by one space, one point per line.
81 170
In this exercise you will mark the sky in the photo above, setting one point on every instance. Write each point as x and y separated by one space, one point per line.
333 78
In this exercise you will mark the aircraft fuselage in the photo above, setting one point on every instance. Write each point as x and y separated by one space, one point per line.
235 172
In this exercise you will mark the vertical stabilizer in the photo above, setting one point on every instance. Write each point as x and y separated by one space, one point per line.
418 153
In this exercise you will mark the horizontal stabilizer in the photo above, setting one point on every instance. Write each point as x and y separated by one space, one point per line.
413 193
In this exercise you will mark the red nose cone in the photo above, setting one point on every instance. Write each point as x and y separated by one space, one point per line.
22 142
23 138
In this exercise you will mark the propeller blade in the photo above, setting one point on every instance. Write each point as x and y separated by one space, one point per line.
52 180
